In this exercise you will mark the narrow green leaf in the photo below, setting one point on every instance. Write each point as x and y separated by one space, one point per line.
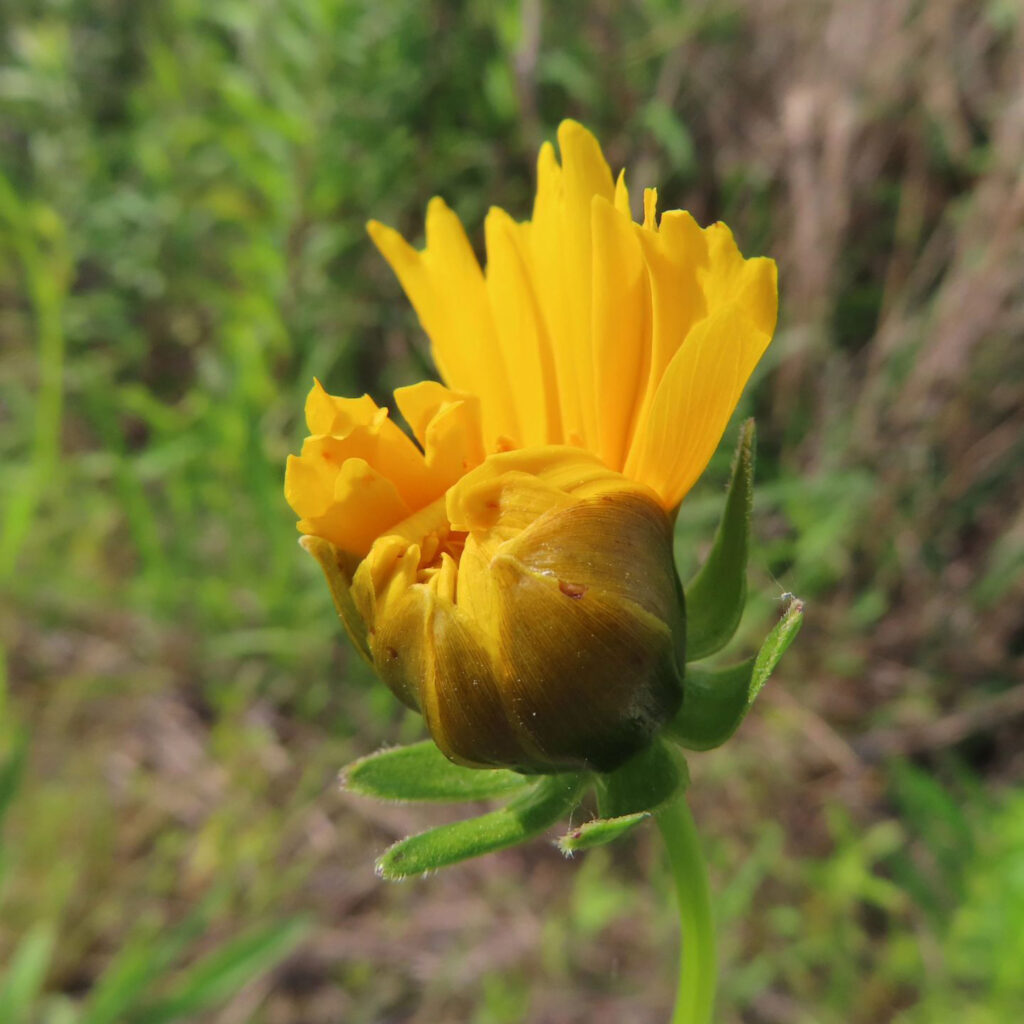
599 831
26 971
128 978
716 596
141 962
220 975
11 772
715 702
644 783
549 799
421 772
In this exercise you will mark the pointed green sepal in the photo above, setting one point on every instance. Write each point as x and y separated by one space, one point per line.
421 772
599 831
716 596
339 569
644 783
630 795
775 645
550 798
715 702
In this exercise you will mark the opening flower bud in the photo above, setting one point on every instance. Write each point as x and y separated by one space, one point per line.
536 621
508 568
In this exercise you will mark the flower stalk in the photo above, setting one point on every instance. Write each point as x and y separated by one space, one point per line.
695 996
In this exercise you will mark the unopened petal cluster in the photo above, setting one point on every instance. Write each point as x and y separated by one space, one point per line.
630 340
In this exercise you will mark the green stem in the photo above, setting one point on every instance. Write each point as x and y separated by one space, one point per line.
697 968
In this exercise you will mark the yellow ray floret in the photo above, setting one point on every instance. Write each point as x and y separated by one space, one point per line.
633 341
360 475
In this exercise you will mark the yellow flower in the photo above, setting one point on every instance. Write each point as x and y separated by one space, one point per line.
510 572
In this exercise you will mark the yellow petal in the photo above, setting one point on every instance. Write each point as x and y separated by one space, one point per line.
447 424
639 565
673 254
585 174
560 261
398 614
346 428
728 277
546 255
504 504
429 653
591 665
622 194
593 678
650 209
694 402
584 167
476 501
621 329
329 414
521 331
446 287
362 505
308 486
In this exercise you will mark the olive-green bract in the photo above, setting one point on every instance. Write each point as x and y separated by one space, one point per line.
558 644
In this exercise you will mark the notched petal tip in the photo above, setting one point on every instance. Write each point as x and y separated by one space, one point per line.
651 209
401 256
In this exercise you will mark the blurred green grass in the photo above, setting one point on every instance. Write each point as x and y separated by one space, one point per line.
183 189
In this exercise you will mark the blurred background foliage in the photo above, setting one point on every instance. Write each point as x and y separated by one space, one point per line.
183 189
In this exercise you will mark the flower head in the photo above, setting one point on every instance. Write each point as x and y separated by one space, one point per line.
508 568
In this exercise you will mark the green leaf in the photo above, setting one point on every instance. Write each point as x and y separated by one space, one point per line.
26 971
716 701
422 772
644 783
600 831
11 771
141 962
220 975
716 596
549 799
128 978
